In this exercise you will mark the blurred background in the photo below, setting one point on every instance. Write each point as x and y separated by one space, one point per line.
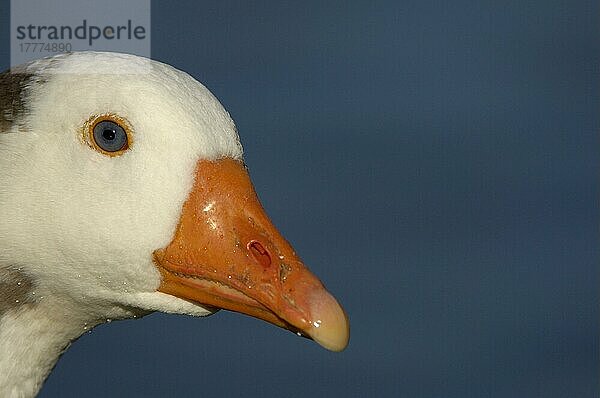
435 163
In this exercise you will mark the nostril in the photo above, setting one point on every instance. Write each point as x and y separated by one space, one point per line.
259 252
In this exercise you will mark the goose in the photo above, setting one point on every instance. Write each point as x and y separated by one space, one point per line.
123 191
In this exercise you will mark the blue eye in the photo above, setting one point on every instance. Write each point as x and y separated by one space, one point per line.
109 136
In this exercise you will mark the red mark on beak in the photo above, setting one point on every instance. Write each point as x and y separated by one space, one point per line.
259 252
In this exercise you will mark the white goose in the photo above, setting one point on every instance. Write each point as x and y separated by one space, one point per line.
123 191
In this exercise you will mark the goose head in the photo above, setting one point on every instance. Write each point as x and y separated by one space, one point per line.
124 191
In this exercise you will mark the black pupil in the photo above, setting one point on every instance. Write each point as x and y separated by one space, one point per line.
109 134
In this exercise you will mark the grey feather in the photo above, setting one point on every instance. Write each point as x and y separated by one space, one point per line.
13 85
15 290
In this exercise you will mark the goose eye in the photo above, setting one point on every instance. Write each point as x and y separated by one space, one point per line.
109 136
108 133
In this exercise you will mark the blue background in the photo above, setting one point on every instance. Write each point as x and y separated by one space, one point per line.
435 163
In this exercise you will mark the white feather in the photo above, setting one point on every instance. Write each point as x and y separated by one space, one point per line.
83 225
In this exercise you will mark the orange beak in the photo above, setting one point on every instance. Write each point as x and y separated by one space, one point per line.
227 254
